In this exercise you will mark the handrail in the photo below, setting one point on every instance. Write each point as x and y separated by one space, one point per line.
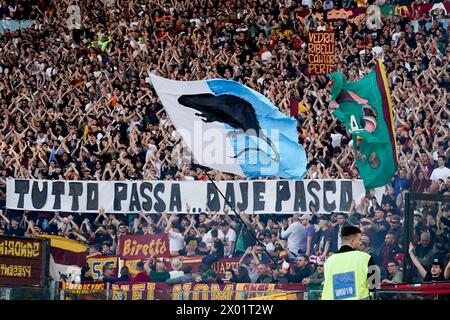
399 291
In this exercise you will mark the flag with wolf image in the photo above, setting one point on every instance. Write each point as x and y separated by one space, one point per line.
365 108
232 128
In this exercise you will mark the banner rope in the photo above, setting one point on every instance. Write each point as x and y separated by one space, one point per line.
239 216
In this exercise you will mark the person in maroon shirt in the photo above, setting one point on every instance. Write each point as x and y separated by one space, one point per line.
422 183
141 276
425 164
388 251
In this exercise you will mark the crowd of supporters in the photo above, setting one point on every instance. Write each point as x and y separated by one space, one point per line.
79 105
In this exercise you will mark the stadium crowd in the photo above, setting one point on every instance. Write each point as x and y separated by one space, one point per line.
79 105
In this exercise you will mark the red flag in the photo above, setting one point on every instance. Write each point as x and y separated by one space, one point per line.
296 107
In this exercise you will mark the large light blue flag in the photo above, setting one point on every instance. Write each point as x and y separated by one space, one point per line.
230 127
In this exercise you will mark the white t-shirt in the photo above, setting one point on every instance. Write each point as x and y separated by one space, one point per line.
176 274
197 22
150 151
336 139
49 71
41 140
260 81
60 224
207 238
229 237
269 246
376 51
295 235
175 136
440 173
435 156
164 122
266 55
395 36
176 241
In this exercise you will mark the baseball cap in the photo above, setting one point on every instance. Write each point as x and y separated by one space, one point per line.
306 217
399 256
437 263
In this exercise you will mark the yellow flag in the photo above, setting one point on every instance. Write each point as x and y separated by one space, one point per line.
64 243
302 108
85 135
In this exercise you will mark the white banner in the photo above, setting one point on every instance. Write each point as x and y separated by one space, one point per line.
261 196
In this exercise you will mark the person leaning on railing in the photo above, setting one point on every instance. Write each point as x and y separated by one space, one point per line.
314 283
436 272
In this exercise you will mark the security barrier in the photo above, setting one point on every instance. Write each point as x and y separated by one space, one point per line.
100 291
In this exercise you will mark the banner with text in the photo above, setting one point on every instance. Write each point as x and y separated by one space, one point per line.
133 247
321 52
220 266
260 196
372 15
23 262
96 265
198 291
83 291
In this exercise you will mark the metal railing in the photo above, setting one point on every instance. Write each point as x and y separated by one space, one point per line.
55 292
423 291
405 291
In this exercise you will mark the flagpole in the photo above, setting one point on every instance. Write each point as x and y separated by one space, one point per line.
238 215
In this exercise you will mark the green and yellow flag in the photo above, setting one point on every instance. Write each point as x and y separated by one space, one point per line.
366 109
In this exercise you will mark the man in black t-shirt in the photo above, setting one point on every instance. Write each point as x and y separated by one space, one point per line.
436 272
324 237
217 249
302 270
14 229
